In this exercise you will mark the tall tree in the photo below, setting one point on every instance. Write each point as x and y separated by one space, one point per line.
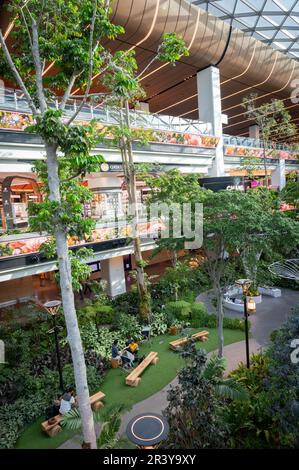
57 47
57 51
168 189
273 120
248 224
126 83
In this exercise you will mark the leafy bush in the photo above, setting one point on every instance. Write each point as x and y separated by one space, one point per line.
270 418
200 318
234 324
282 381
250 425
127 303
105 314
193 408
180 281
100 314
128 327
159 323
180 309
14 417
199 315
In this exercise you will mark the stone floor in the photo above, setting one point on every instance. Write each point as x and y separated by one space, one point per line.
270 314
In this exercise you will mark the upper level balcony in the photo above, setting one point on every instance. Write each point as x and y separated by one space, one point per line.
12 101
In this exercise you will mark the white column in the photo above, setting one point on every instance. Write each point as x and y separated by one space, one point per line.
254 132
278 177
209 105
112 271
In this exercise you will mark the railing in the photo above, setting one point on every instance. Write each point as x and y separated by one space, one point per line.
255 143
12 100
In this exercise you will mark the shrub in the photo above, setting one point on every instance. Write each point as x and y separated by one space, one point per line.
200 318
15 417
250 425
99 341
234 324
193 409
128 327
127 303
159 324
199 315
105 314
180 309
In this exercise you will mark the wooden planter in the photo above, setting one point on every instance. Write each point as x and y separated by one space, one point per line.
173 330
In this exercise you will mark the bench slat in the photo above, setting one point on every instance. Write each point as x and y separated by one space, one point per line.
181 341
95 401
133 378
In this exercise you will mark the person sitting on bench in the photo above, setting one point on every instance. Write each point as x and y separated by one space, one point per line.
67 402
115 354
133 346
127 358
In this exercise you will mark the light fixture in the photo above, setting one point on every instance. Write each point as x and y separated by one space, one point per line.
251 305
244 284
52 307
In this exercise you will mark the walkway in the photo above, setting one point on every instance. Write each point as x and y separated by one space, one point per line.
234 353
270 314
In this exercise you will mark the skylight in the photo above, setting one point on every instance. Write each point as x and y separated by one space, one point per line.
274 22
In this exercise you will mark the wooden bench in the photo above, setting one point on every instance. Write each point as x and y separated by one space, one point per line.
96 401
201 336
134 378
54 428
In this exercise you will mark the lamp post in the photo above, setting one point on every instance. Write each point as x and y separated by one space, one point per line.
52 308
248 308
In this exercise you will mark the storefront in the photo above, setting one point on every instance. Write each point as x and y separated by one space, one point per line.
16 193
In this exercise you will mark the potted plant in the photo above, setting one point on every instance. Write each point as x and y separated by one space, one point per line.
175 328
254 293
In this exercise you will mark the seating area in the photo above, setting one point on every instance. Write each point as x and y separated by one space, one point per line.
52 426
134 379
201 336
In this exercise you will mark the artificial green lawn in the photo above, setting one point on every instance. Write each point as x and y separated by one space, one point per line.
117 392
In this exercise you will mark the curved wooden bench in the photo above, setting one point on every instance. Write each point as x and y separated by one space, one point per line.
54 428
201 336
134 378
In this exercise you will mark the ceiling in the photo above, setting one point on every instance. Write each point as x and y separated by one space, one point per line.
246 64
275 23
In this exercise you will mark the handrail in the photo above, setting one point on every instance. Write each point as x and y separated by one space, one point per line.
13 100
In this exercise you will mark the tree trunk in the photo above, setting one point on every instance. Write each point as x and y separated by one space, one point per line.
128 161
220 321
174 258
73 332
265 163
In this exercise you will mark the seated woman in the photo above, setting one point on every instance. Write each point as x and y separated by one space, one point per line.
133 347
67 402
127 358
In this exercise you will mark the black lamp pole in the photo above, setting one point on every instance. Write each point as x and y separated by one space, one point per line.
52 308
245 284
246 331
56 329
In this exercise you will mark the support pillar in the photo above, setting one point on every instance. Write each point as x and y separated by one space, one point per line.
278 178
254 132
209 105
112 271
